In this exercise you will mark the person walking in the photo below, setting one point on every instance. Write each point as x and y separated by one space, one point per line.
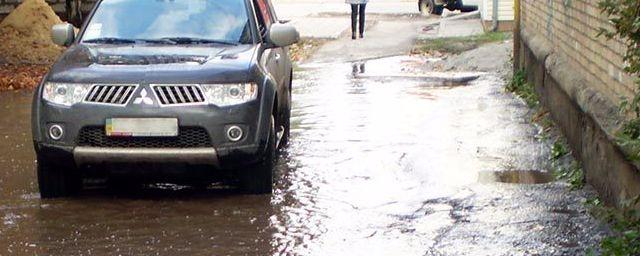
357 14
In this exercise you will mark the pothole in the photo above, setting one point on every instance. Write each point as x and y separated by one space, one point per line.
519 177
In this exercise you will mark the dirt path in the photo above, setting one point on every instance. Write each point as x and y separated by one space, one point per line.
384 36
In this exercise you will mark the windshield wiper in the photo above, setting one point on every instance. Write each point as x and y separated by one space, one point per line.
193 40
110 40
156 41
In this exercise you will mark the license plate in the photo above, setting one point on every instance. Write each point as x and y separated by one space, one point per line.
142 127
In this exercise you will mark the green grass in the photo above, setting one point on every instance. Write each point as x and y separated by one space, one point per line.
524 90
625 224
558 150
572 174
457 45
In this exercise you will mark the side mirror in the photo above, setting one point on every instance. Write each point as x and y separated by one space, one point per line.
63 34
282 35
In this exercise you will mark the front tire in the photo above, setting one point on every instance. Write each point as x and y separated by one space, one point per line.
57 179
258 179
286 122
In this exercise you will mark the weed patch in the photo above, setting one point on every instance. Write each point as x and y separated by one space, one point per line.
562 169
625 224
524 90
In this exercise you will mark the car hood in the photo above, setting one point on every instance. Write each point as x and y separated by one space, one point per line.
153 64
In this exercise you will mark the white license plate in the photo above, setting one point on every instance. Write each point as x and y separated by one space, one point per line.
142 127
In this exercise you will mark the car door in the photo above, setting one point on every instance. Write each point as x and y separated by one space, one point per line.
283 62
274 58
269 55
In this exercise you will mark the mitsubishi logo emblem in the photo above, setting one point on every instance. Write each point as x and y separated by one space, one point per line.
143 98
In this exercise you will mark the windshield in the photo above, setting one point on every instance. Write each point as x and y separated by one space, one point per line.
170 21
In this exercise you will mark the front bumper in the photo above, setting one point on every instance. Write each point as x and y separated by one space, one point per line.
221 158
193 156
253 117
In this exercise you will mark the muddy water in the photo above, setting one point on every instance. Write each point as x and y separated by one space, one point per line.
371 143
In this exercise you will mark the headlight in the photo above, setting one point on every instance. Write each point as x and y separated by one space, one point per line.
64 93
230 94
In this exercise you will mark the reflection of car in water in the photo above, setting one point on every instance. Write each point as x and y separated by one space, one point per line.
428 7
191 88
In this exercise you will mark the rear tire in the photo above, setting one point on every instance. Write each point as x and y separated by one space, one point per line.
57 179
258 179
429 7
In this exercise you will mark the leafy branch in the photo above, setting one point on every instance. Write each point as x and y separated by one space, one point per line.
624 17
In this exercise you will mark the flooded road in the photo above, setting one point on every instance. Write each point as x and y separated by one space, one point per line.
382 161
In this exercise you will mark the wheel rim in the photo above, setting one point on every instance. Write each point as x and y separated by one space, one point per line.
426 7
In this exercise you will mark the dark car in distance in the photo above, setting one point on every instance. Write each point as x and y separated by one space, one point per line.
151 87
435 7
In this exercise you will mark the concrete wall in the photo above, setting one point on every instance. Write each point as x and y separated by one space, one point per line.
580 79
6 6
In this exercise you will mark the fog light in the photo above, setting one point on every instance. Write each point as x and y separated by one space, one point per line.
234 133
56 132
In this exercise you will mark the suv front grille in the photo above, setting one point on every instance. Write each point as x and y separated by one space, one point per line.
178 94
110 94
188 137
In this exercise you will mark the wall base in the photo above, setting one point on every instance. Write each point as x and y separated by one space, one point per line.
583 117
503 26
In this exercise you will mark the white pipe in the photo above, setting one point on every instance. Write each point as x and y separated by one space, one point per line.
495 7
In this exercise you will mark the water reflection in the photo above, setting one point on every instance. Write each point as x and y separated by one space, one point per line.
357 68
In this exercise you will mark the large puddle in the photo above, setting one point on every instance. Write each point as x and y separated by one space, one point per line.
370 144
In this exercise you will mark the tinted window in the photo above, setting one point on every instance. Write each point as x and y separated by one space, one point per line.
223 20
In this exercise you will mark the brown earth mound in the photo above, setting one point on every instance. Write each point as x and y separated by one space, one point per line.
25 35
14 77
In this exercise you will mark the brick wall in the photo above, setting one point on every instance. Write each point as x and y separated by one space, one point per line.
6 6
571 29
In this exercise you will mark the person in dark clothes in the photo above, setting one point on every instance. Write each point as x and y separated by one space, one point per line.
357 16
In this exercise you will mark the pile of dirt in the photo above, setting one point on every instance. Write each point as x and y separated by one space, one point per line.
25 35
14 77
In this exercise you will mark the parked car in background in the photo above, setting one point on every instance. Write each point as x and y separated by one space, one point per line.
435 7
73 11
189 87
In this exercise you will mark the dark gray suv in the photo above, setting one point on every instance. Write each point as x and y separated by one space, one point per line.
154 87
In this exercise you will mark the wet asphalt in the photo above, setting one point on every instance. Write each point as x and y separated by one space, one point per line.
382 161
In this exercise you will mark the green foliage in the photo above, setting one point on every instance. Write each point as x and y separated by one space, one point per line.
624 15
558 151
625 224
573 174
629 139
524 90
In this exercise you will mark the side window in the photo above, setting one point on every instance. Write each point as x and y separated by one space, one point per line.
264 16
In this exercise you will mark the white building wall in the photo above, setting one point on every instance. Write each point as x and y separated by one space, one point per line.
505 10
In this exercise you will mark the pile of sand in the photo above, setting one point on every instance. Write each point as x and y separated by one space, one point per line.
25 35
